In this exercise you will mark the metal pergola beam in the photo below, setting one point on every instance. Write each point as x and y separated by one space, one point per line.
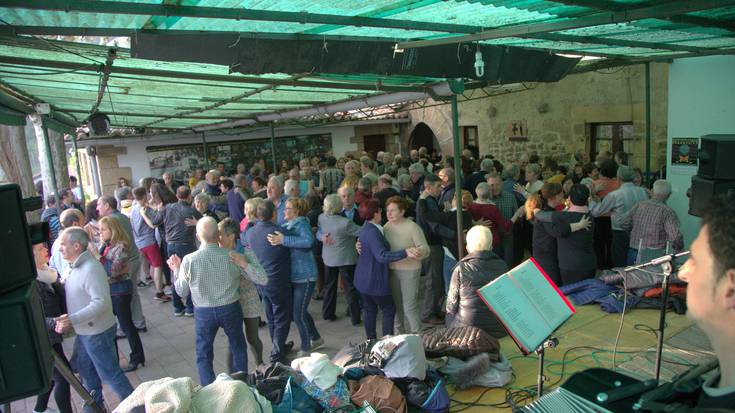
109 7
204 76
662 11
85 31
217 104
677 18
558 37
610 63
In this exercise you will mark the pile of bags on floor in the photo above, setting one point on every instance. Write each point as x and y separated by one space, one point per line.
387 375
643 290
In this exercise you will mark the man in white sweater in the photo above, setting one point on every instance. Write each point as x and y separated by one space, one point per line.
90 314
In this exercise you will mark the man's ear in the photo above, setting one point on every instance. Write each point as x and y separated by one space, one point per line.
729 286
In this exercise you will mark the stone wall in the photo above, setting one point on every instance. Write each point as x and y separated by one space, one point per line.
559 115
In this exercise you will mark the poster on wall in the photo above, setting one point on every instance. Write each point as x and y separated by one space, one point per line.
182 160
684 152
517 130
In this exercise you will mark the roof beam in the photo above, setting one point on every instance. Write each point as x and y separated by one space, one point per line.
609 17
86 31
677 18
558 37
606 64
203 76
223 102
110 7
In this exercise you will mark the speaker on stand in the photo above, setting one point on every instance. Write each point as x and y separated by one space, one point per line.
716 172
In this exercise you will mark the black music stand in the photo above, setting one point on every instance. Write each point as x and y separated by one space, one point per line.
668 265
550 342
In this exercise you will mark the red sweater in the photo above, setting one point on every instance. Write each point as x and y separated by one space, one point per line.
492 213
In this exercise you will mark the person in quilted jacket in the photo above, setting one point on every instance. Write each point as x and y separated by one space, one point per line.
477 268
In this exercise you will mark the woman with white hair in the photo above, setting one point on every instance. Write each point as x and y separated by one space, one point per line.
477 268
339 235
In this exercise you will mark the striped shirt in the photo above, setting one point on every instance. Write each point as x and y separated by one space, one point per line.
331 177
619 202
654 223
209 276
507 204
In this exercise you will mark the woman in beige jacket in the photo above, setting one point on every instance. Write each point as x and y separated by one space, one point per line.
403 233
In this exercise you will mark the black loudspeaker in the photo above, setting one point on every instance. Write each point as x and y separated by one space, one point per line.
703 190
16 258
25 353
716 157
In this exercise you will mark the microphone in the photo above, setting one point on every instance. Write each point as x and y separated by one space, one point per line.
657 261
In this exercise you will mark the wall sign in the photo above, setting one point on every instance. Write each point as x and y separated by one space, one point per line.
684 151
517 130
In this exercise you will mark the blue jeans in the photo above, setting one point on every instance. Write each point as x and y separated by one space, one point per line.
207 320
307 329
371 303
95 357
180 249
278 312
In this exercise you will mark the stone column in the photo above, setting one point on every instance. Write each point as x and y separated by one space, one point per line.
15 162
58 153
44 155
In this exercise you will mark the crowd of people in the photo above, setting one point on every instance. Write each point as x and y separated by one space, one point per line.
225 247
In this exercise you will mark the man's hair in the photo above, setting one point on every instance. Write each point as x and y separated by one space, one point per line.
662 187
139 193
719 217
626 173
290 185
479 238
331 161
493 175
385 179
403 180
482 190
588 168
579 194
366 162
72 178
332 204
203 197
260 181
183 192
227 183
416 167
70 217
50 200
123 193
207 229
347 189
400 202
229 227
77 235
276 180
487 165
365 183
265 211
431 179
608 168
109 200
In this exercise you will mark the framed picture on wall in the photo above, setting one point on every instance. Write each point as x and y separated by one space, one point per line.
684 151
517 130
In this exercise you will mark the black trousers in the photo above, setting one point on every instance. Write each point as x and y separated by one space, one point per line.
121 308
331 281
620 247
59 386
602 238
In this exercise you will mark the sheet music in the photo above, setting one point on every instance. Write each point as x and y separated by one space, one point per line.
528 304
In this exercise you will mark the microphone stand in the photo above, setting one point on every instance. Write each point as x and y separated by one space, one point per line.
668 266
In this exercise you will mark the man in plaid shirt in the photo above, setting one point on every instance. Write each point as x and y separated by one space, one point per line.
652 224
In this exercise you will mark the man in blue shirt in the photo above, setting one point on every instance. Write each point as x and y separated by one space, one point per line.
276 262
277 198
